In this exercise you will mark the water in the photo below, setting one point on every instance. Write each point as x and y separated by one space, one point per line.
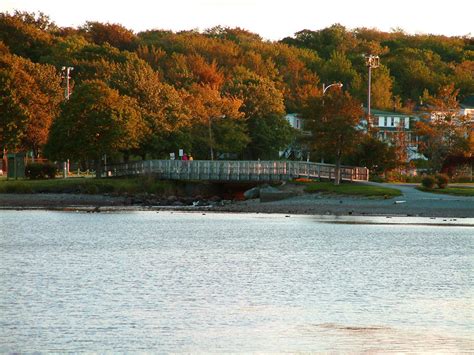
192 282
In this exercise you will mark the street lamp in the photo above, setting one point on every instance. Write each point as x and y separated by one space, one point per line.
325 88
371 61
66 76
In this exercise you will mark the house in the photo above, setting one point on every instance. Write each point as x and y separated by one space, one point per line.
295 150
392 126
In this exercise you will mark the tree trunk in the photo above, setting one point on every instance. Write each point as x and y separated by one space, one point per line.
337 173
98 168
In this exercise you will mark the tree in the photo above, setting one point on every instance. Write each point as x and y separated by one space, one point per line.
31 94
160 104
334 123
381 90
264 110
445 133
216 122
114 34
374 154
26 35
95 121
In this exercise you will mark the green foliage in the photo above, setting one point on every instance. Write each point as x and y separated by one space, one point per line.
95 121
456 191
144 184
374 154
428 182
40 171
352 189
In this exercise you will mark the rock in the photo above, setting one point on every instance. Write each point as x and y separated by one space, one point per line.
172 198
252 193
178 203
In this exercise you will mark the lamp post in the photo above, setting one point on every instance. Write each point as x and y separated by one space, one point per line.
325 88
66 76
371 61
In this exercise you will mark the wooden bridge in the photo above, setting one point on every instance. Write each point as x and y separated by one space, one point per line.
230 170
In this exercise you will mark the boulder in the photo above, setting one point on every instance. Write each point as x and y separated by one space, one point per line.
252 193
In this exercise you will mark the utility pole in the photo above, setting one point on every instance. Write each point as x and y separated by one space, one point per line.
66 75
371 61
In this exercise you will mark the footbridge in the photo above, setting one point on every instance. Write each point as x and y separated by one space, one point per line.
232 170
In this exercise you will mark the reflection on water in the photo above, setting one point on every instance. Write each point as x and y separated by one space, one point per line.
193 282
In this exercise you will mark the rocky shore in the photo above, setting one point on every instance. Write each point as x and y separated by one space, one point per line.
411 203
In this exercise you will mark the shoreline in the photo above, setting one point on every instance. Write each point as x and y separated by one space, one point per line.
395 220
308 204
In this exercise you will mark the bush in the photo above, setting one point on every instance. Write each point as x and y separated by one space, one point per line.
442 181
428 182
40 171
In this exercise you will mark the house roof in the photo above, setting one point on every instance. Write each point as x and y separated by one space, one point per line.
386 113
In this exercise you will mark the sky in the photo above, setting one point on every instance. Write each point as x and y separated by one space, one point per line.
271 19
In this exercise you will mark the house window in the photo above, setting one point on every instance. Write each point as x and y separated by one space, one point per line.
407 122
298 124
381 121
389 121
396 121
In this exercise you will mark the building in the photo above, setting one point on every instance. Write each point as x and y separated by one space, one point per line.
393 126
296 149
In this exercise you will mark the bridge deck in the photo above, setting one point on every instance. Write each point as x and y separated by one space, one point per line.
230 170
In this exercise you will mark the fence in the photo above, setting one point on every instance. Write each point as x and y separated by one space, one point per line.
235 170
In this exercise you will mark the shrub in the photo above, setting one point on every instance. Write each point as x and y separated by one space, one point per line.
442 180
40 170
428 182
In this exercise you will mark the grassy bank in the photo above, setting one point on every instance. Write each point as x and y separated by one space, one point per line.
456 191
353 189
87 186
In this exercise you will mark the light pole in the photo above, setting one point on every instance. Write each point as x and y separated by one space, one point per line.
371 61
325 88
66 76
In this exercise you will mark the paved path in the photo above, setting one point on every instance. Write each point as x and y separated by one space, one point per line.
412 203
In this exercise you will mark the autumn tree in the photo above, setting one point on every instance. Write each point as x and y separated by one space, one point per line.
217 125
160 104
445 133
31 94
114 34
95 121
26 35
334 121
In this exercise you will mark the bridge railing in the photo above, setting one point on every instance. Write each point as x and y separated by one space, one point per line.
231 170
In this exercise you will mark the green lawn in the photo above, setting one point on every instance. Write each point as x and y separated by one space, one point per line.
85 185
457 191
352 189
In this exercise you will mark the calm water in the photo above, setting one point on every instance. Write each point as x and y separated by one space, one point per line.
188 282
